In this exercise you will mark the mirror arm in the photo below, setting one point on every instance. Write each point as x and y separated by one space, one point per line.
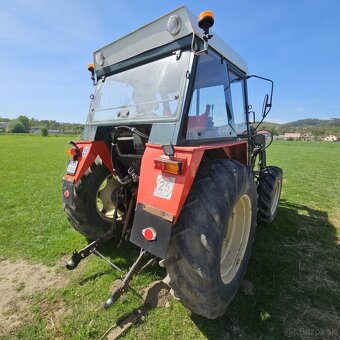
269 105
260 122
266 79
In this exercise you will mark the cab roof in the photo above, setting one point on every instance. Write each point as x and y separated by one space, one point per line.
155 34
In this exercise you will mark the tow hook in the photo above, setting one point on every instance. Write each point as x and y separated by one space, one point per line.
92 248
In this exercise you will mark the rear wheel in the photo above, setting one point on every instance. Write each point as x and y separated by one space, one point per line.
269 191
211 242
93 206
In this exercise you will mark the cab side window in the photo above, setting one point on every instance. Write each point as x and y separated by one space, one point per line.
237 102
210 109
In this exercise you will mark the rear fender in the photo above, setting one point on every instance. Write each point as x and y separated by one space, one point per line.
89 151
172 201
161 195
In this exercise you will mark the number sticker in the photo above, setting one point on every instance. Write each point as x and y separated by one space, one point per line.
164 187
85 151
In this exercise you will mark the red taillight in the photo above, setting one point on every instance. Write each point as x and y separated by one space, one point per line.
149 234
172 166
73 152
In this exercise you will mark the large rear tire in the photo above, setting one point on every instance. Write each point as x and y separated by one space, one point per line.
269 191
212 240
93 206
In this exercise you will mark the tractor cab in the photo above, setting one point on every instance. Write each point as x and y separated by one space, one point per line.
166 79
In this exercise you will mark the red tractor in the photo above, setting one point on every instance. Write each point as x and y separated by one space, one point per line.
171 159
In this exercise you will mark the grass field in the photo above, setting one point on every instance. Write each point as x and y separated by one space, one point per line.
295 266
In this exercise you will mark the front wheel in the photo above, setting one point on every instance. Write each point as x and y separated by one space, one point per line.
212 240
269 191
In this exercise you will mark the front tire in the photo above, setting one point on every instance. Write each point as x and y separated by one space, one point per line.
93 206
269 191
212 240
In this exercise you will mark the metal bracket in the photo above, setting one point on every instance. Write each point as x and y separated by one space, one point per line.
167 216
178 54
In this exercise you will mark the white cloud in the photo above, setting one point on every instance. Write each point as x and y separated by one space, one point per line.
277 120
299 109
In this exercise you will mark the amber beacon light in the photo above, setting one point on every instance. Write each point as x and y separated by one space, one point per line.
206 20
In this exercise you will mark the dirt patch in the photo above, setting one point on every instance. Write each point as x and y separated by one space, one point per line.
157 294
19 281
53 312
115 285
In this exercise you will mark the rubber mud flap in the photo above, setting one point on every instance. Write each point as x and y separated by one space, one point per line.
68 192
162 229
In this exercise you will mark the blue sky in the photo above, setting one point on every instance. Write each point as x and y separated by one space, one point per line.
45 47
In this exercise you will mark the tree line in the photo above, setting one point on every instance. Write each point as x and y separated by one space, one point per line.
23 124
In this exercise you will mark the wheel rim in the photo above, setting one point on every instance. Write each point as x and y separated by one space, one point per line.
105 198
236 238
276 196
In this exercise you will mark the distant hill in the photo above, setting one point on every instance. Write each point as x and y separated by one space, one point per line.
315 122
316 127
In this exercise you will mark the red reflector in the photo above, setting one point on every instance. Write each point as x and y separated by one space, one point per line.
149 234
66 194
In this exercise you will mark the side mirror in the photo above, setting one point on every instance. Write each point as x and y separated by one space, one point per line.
254 118
266 106
251 112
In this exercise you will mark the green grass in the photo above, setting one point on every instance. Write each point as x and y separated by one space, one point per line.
294 266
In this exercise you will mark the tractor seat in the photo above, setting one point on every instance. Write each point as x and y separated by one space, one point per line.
197 124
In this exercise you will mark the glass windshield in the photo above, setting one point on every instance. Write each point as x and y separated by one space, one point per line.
153 91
